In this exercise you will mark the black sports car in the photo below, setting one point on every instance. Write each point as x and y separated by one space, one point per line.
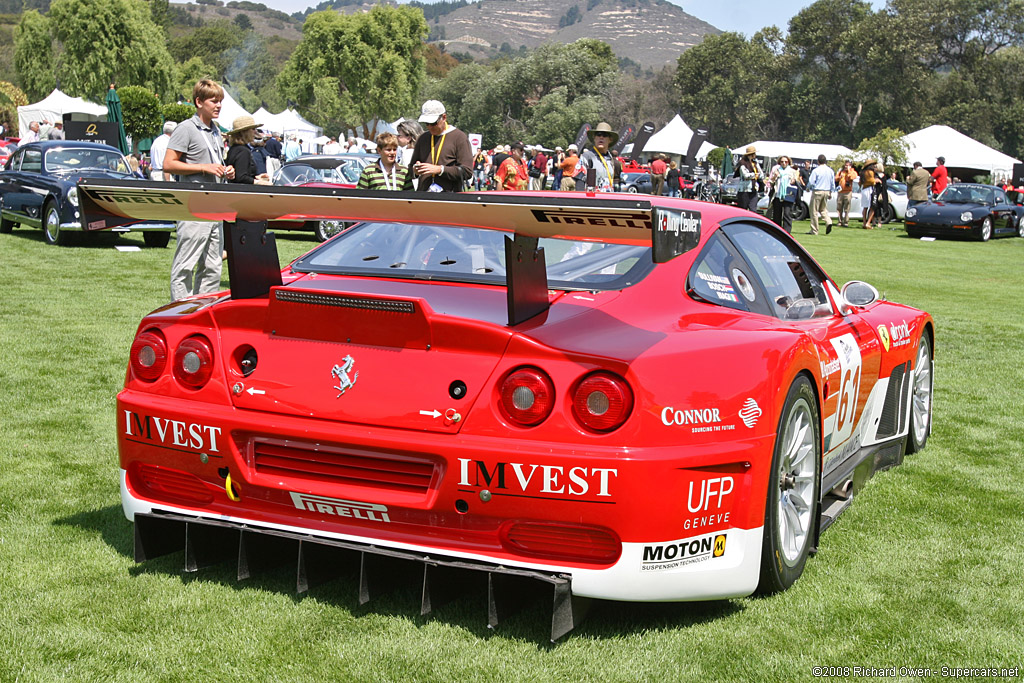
967 210
38 188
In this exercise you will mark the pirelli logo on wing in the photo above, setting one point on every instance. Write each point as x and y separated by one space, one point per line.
639 219
120 196
371 512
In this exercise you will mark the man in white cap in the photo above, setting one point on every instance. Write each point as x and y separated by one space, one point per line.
442 158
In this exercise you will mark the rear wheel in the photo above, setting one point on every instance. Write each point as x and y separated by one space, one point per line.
157 240
51 226
792 503
985 233
921 398
325 230
885 213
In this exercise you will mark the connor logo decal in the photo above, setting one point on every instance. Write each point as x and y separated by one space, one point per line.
750 412
371 512
673 555
883 334
345 381
136 197
583 217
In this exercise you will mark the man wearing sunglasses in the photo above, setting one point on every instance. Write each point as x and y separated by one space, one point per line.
598 157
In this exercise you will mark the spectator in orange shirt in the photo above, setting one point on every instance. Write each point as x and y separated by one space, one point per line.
512 174
569 167
844 181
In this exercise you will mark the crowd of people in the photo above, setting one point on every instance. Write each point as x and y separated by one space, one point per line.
785 185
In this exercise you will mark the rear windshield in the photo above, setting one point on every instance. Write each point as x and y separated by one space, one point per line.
443 252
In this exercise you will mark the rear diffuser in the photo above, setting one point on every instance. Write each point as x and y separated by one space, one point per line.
206 542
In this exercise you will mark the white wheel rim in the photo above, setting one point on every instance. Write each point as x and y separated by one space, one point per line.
331 228
986 229
922 399
52 225
796 482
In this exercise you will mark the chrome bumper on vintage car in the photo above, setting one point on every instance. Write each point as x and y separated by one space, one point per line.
138 227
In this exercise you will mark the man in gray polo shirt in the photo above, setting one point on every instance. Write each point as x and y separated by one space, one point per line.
195 154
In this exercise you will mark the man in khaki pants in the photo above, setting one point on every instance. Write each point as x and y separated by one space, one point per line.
822 184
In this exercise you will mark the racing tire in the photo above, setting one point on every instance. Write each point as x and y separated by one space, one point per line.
156 240
52 233
325 230
801 212
886 213
985 231
921 396
791 507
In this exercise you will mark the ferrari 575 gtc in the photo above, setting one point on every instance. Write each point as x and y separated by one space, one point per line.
621 398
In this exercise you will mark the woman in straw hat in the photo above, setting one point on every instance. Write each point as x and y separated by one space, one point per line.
751 176
240 137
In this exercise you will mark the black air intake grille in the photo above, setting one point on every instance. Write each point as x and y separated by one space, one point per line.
347 302
893 417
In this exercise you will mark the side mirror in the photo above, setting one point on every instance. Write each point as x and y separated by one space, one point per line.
857 293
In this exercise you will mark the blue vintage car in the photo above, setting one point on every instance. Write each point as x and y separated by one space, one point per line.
967 210
38 188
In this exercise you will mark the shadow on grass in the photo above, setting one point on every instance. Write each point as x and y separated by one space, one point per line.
400 596
104 239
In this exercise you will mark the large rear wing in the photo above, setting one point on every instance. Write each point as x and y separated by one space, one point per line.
107 204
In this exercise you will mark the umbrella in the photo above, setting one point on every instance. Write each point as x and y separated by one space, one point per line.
727 166
114 116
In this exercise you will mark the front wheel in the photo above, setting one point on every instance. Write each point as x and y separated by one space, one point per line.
325 230
157 240
792 503
921 399
51 226
1020 227
800 212
985 233
632 189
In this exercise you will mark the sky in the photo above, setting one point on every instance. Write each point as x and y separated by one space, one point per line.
743 16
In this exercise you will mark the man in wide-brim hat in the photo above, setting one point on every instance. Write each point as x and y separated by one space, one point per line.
599 158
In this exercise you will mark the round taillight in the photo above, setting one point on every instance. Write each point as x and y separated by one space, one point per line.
526 397
602 402
193 362
148 356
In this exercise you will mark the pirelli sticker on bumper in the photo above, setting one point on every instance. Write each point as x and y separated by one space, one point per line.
664 556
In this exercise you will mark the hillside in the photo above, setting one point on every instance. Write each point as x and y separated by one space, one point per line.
649 32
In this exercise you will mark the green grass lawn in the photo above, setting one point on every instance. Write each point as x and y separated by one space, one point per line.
924 570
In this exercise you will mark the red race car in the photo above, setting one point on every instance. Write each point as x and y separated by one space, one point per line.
626 399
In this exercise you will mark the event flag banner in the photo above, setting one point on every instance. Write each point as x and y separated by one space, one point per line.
626 134
646 131
581 137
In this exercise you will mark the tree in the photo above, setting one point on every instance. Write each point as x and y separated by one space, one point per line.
187 74
177 112
209 43
33 47
11 97
243 22
888 145
141 112
98 42
357 68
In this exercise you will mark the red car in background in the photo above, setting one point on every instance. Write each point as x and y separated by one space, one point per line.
646 399
321 170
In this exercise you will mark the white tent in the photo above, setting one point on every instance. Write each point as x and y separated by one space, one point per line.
797 150
289 122
960 151
262 117
54 107
229 111
674 138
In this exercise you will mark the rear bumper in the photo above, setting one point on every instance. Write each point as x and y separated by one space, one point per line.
683 523
138 227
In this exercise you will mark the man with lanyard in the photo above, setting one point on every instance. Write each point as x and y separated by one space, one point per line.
194 154
599 158
442 159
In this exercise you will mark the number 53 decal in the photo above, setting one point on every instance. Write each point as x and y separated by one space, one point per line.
839 426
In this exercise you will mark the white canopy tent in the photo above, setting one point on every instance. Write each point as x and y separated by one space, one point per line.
959 150
674 138
289 122
797 150
229 111
53 108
